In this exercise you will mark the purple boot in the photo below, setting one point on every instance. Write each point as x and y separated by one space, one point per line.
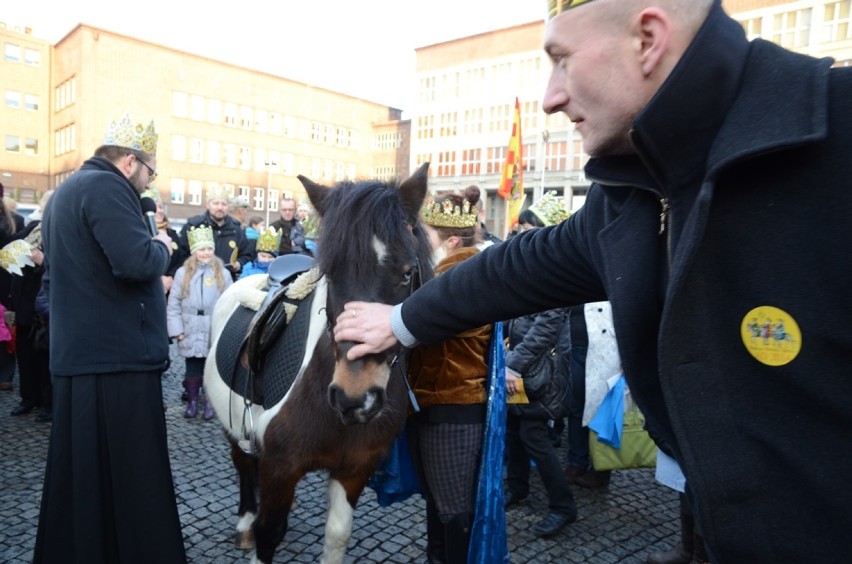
192 385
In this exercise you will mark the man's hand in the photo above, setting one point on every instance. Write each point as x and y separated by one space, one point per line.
368 324
511 381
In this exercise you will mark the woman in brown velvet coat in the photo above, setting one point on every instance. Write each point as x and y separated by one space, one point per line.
448 380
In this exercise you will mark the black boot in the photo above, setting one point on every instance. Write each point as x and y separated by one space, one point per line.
435 542
682 552
457 538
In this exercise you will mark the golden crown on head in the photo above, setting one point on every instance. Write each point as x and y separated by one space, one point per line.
217 192
200 237
555 7
125 133
448 214
549 209
269 241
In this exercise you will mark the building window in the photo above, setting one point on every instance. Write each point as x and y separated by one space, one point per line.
196 108
289 127
316 168
792 29
213 153
261 118
178 190
753 28
259 197
31 102
471 161
275 124
66 139
246 119
196 150
230 114
13 53
214 111
31 146
32 57
837 18
340 171
195 192
13 144
229 155
66 93
260 160
13 99
288 164
245 158
180 104
179 148
272 200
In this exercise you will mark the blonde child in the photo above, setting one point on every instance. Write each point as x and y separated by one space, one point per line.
196 287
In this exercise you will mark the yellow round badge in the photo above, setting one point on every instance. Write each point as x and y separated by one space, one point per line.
208 281
771 335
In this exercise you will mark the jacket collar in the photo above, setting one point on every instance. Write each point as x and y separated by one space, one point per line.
709 111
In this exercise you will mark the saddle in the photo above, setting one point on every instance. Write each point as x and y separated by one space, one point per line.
259 352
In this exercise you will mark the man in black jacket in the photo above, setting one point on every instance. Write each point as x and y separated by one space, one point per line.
108 488
232 246
721 191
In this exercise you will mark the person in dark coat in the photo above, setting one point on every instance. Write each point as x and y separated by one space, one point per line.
720 199
108 493
232 246
527 431
31 350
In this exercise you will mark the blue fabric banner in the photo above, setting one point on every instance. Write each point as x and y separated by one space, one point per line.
609 419
488 536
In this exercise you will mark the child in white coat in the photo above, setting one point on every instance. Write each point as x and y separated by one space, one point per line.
196 288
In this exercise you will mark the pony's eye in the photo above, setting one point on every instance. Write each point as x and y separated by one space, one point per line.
407 277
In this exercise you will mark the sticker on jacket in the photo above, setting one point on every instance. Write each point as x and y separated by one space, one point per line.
771 335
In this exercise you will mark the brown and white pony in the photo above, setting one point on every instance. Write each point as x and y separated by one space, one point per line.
338 415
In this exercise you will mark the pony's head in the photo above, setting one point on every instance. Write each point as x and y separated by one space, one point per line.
371 248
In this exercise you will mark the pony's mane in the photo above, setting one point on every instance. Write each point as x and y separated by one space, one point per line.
354 213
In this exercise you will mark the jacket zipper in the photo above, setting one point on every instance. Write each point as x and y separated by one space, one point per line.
665 204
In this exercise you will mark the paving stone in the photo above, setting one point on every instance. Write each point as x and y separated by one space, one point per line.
624 522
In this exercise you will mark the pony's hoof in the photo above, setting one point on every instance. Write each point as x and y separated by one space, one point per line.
244 540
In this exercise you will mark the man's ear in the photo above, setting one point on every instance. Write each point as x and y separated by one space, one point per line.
654 33
452 242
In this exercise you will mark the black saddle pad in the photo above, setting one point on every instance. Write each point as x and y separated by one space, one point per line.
282 361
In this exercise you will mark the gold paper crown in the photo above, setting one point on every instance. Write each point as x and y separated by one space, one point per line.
555 7
447 214
125 134
199 237
549 209
269 241
217 192
15 256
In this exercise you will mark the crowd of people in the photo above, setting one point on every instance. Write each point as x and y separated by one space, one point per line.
662 254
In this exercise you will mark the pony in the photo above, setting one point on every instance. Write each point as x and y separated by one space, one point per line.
338 415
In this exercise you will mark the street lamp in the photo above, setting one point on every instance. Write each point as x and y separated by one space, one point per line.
269 164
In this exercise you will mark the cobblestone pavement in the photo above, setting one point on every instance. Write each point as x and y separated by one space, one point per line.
624 522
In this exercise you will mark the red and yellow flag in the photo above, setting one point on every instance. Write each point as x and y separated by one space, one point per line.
512 180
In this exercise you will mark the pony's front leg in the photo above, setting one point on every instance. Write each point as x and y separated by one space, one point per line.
342 497
246 466
276 498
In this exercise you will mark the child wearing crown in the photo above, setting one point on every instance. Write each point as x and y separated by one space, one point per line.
268 243
448 380
196 288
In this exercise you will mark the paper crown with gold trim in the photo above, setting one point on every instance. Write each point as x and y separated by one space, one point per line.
549 209
124 133
269 241
200 237
555 7
447 213
15 256
217 192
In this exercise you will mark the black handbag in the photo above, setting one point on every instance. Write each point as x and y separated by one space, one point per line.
539 374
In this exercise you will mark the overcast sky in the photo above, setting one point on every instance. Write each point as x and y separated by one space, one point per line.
364 48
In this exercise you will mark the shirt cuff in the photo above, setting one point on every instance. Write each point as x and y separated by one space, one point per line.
400 331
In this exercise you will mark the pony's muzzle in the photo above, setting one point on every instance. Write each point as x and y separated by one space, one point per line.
359 409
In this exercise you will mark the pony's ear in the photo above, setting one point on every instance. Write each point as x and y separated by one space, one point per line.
317 193
413 192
